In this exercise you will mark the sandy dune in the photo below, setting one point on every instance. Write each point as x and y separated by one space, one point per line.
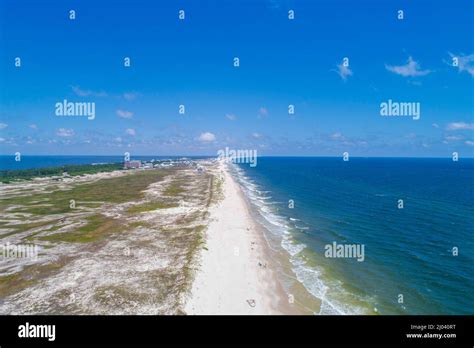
230 279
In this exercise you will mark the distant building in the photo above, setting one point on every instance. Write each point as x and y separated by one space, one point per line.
132 164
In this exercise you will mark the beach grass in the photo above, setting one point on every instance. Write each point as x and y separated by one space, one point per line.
145 223
110 190
150 206
7 176
23 227
57 204
97 227
174 189
29 276
136 224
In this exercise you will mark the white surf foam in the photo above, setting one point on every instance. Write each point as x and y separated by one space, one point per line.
279 225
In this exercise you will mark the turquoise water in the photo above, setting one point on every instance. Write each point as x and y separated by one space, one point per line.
408 251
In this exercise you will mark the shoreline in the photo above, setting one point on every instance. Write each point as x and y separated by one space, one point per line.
236 274
238 270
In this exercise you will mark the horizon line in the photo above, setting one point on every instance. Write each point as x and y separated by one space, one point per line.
215 156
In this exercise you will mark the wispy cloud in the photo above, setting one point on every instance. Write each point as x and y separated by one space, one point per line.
65 132
230 117
3 125
33 126
130 131
469 142
207 137
124 113
453 138
337 136
411 69
87 93
262 112
273 4
130 96
460 126
465 63
343 71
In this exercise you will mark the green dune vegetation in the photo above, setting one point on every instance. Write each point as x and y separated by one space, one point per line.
157 213
7 176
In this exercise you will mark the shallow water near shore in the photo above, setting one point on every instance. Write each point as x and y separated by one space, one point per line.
408 251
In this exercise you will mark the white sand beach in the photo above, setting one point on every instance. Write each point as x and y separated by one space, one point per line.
230 279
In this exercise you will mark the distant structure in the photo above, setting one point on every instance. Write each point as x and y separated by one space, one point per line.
132 164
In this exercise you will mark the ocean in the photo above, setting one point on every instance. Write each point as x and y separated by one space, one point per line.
418 256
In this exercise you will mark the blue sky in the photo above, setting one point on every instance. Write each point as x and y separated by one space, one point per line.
282 62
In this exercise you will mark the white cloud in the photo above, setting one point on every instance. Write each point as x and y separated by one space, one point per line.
337 136
435 125
465 63
453 138
460 126
86 93
262 112
207 137
3 125
343 71
469 142
256 135
130 131
33 126
230 117
2 140
411 69
130 96
65 132
124 113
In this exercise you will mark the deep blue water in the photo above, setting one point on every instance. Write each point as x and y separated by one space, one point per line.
28 162
408 251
